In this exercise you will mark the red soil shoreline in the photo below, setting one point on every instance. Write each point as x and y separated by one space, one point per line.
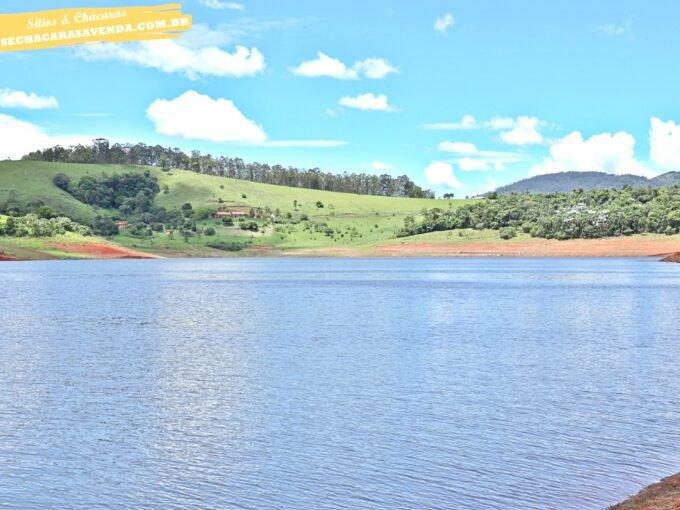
664 495
611 247
103 251
667 249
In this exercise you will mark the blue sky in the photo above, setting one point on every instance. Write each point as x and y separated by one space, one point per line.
483 92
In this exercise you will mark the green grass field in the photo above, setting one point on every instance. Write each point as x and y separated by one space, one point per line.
357 219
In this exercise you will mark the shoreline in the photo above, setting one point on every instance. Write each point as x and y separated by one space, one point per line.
135 255
663 495
659 247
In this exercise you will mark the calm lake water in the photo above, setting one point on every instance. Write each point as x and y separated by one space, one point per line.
305 384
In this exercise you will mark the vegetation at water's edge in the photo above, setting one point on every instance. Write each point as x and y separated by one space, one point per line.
579 214
102 152
43 223
184 213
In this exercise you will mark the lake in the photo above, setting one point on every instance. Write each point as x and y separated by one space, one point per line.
332 383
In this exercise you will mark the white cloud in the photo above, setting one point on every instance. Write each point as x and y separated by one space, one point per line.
180 56
217 4
499 123
380 166
375 68
664 144
444 23
466 123
368 101
615 29
439 173
324 65
524 132
479 160
198 117
605 152
470 165
18 138
18 99
458 147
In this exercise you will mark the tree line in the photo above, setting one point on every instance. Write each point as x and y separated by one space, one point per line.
103 152
578 214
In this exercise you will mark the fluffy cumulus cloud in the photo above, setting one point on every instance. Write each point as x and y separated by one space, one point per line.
664 144
198 117
523 131
217 4
18 137
439 173
443 24
605 152
368 101
375 68
326 66
180 56
18 99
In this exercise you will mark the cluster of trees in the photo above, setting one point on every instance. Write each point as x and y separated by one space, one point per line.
130 195
33 225
579 214
102 152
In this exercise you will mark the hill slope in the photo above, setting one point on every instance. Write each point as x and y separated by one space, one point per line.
31 182
355 219
569 181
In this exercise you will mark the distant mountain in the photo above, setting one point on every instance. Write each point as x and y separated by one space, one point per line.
569 181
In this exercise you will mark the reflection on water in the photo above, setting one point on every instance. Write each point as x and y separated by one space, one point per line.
465 383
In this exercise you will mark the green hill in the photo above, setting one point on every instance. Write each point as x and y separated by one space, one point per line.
353 219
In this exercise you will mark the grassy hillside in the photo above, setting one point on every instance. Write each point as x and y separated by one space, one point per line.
357 219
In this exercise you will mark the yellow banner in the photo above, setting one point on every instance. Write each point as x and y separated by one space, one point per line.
65 27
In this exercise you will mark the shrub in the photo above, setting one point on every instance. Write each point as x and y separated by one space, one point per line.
507 233
31 225
62 181
249 225
209 231
104 226
46 212
225 246
203 213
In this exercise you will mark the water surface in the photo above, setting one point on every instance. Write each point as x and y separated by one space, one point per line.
251 383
